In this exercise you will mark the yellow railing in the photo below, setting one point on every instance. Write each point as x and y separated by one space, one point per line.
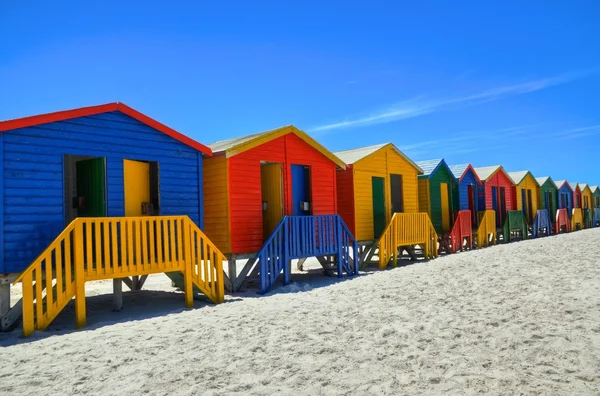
487 227
406 229
112 248
577 218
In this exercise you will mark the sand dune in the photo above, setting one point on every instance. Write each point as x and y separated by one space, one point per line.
522 318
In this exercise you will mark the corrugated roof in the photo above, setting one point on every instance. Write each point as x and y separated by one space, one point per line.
573 186
223 145
485 172
542 180
240 144
428 166
458 170
354 155
518 176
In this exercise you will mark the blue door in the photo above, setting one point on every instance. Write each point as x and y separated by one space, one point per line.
301 202
495 203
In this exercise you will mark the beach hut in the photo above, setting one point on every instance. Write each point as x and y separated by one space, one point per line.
264 195
498 191
596 205
587 201
548 197
577 217
526 192
437 187
565 196
470 193
102 192
379 182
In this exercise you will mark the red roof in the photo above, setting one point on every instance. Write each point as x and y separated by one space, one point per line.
105 108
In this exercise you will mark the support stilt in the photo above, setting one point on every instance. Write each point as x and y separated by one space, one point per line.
300 264
117 294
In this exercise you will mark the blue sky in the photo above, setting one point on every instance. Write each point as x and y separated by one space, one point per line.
505 83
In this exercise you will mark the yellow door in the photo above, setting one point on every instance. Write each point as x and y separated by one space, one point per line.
272 197
445 203
136 176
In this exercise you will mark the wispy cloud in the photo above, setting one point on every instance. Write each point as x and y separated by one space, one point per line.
419 106
578 132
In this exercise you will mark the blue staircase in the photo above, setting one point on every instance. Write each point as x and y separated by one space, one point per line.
541 224
596 218
299 237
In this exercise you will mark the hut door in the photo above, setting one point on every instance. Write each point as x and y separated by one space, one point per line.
502 205
530 214
524 203
396 194
495 204
378 192
91 183
136 179
471 195
271 181
445 205
301 202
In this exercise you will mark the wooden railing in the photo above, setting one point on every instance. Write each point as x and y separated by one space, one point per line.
406 229
486 232
297 237
461 230
577 219
596 218
514 224
91 249
562 223
542 225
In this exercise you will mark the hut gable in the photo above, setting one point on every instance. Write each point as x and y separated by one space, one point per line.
379 161
245 157
39 157
468 182
526 193
436 172
548 197
496 179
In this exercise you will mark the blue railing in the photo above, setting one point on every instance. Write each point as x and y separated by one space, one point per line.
297 237
541 222
596 219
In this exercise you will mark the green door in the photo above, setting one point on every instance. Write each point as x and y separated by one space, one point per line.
378 188
91 186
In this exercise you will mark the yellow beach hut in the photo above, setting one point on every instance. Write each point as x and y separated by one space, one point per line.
526 193
379 182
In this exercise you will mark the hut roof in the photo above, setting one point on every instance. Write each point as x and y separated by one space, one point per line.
486 172
594 188
542 180
573 186
582 186
430 166
240 144
460 170
354 155
518 176
560 183
105 108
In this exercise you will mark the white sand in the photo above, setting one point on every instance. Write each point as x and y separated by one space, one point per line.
519 319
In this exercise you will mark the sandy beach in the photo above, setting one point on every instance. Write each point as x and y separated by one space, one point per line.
520 319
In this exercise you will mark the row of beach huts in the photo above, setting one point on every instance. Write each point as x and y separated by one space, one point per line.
106 192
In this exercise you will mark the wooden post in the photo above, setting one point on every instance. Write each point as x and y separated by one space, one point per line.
232 272
80 318
4 298
187 275
28 308
117 294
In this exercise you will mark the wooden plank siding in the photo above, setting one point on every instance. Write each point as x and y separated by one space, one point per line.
528 183
245 187
382 163
216 201
33 169
548 187
345 196
441 175
499 179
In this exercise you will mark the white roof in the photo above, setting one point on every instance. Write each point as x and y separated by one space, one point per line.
542 180
518 176
354 155
429 165
486 171
458 170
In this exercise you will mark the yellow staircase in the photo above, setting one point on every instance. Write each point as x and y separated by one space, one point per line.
92 249
577 219
406 229
487 228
